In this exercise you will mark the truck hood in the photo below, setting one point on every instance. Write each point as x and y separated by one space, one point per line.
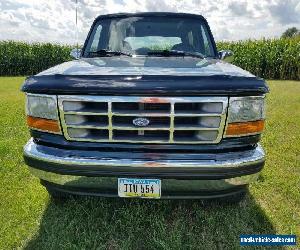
188 66
145 76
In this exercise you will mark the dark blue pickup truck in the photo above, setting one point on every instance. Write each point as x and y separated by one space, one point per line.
149 108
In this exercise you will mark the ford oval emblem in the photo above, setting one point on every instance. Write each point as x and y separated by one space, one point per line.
140 122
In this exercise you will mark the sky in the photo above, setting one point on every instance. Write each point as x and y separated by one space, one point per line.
54 20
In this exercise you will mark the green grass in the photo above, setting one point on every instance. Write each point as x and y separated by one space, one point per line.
30 219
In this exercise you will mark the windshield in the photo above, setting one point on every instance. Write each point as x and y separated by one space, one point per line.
141 35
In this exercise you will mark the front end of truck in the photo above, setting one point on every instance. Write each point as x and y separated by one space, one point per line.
104 127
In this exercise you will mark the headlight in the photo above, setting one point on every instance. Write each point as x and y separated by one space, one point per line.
246 109
41 111
42 106
246 116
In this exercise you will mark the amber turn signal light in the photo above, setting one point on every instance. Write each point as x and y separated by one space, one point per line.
244 128
47 125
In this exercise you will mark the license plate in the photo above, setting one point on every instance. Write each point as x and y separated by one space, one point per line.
143 188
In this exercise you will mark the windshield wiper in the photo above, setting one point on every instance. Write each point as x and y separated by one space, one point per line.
105 52
166 53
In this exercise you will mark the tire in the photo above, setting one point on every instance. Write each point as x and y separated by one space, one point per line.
236 198
55 194
230 199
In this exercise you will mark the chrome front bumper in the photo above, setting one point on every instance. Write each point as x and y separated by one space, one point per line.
84 172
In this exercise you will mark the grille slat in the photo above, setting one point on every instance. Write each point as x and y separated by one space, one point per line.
127 135
182 120
140 113
85 113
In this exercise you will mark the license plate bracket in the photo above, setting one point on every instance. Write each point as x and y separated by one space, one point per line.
139 188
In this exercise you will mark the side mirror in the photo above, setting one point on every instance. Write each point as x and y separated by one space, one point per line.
75 53
226 55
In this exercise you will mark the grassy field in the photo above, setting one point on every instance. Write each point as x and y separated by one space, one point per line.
30 219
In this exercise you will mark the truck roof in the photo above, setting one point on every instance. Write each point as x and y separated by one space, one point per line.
154 14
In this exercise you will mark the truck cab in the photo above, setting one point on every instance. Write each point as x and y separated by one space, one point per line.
148 108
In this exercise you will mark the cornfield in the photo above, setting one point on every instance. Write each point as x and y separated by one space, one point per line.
267 58
20 58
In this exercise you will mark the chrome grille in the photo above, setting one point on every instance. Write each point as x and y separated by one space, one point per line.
183 120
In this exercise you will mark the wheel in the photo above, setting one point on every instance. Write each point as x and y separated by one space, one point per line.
54 193
233 198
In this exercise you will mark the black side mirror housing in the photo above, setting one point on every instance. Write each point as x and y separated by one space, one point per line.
75 53
226 55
